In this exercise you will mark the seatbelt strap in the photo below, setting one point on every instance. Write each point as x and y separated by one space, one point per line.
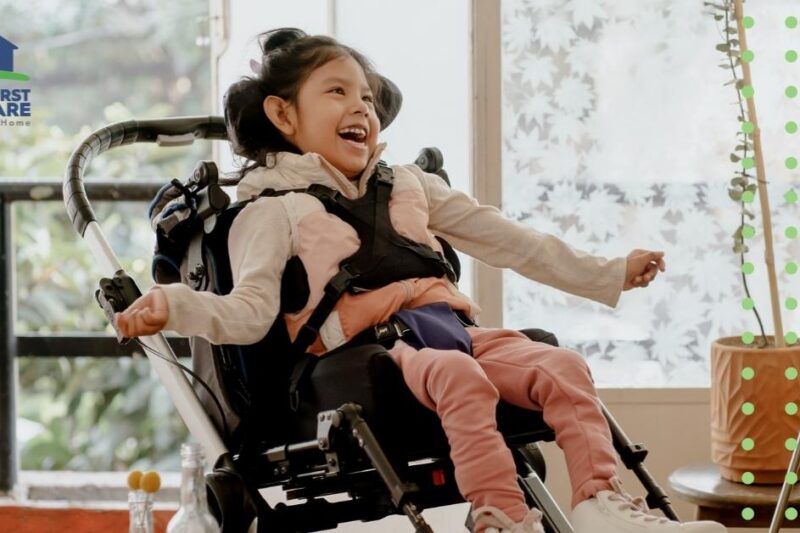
309 331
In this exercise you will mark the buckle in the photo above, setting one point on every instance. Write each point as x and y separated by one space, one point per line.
340 282
388 331
385 174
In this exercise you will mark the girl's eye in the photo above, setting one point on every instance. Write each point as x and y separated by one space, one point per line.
339 90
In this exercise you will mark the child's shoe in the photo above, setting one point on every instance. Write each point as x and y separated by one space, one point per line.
499 522
615 511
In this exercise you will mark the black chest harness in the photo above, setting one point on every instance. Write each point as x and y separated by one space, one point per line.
384 257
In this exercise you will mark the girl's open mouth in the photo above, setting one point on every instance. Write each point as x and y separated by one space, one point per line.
357 145
355 137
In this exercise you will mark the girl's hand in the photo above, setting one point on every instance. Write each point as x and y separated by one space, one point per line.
146 316
643 265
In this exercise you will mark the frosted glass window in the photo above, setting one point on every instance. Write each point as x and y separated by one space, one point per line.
617 130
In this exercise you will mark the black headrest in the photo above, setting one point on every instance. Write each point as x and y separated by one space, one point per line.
391 101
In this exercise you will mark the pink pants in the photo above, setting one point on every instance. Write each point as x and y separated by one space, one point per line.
464 392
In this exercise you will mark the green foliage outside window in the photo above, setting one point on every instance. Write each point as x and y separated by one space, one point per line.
91 64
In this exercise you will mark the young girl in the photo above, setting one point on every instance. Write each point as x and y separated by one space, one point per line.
312 115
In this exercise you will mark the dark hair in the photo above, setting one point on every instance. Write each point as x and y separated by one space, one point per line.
289 56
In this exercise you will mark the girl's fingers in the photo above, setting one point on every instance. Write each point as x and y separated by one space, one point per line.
139 322
122 323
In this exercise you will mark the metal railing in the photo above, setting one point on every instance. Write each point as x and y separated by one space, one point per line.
69 345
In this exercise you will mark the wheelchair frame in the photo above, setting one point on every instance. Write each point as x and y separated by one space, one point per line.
234 492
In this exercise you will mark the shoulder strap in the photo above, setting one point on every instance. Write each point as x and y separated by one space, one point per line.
333 290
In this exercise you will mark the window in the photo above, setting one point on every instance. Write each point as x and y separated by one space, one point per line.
617 130
91 64
429 64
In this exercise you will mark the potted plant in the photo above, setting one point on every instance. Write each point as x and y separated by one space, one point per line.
754 376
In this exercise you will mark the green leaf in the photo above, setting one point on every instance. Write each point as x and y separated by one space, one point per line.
723 47
738 182
735 194
735 158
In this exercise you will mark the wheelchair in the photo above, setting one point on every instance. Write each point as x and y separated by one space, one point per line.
357 431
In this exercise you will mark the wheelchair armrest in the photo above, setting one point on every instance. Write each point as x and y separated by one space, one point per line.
540 335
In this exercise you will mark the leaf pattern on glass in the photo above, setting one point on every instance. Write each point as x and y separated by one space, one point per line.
610 143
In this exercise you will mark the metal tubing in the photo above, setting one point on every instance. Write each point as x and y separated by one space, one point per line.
8 375
170 375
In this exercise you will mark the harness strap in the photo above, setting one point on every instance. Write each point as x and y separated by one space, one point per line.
309 331
196 271
377 235
340 283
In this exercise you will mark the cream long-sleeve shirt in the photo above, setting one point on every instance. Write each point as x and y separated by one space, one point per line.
264 236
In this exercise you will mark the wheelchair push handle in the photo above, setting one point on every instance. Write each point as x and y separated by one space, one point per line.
177 131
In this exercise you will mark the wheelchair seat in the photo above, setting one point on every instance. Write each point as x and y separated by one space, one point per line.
368 376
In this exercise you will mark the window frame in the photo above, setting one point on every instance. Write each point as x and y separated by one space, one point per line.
486 142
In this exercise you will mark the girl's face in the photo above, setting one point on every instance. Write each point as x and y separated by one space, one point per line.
334 116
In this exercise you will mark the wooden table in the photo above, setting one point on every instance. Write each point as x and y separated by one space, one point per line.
722 500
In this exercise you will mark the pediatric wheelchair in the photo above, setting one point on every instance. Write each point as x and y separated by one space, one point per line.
357 429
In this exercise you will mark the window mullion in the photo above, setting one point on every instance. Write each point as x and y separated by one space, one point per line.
486 171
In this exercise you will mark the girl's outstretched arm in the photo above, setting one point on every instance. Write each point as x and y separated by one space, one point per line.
259 246
483 232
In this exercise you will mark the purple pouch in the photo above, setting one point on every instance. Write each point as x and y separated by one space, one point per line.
435 326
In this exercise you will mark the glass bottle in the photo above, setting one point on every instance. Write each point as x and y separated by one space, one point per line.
193 515
141 507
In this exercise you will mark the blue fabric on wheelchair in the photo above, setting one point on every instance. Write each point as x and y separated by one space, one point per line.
435 326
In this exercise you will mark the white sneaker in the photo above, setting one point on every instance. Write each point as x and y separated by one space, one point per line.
615 511
499 522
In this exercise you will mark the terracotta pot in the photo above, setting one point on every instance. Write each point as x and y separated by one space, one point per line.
769 426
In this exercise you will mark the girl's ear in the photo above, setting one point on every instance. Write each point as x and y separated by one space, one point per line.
280 113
